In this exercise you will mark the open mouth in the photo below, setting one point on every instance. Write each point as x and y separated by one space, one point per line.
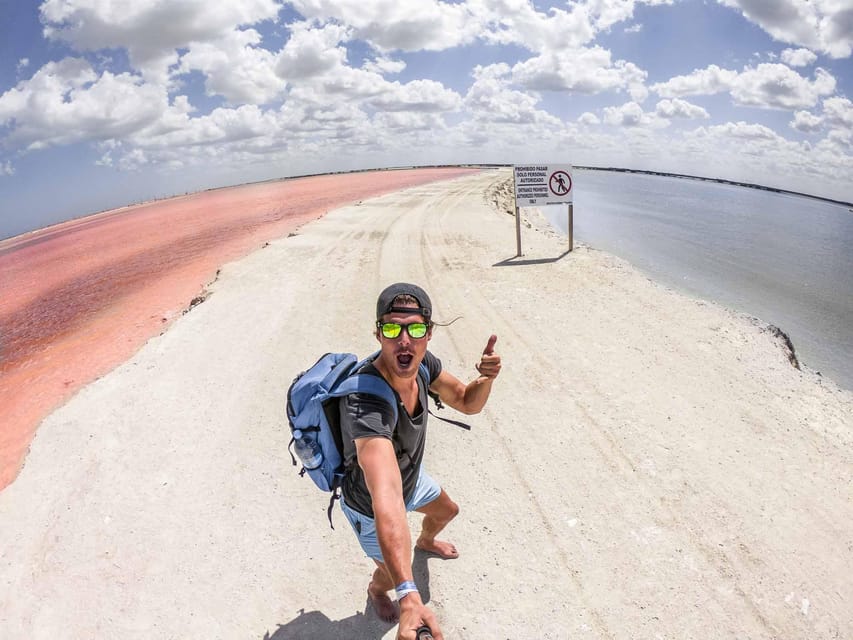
404 360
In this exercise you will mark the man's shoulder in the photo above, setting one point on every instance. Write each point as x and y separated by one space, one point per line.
432 364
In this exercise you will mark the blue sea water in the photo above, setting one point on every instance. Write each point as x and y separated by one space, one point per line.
786 259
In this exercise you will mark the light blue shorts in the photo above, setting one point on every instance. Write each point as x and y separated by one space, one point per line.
426 490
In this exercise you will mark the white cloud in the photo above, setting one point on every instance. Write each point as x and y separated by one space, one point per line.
677 108
309 110
637 88
631 114
383 65
236 68
405 25
346 83
767 85
312 51
133 160
606 13
585 71
309 119
745 132
418 95
753 153
6 168
491 99
150 31
820 25
220 126
806 122
66 102
226 137
322 74
518 22
557 30
798 57
323 95
23 63
838 113
778 86
838 118
706 81
408 121
312 60
514 141
106 160
589 118
841 142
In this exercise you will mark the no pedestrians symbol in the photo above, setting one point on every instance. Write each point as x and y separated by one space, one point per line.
560 183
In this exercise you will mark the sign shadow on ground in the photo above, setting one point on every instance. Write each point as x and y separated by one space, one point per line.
517 261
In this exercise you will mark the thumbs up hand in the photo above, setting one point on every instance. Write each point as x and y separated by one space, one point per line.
490 362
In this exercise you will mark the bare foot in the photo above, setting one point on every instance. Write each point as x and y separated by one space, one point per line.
444 550
383 606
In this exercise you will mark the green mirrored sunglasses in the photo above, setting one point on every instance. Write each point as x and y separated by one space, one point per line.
391 330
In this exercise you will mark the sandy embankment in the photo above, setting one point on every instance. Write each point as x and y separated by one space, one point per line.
81 297
649 465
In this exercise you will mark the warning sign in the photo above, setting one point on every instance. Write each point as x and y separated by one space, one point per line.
537 185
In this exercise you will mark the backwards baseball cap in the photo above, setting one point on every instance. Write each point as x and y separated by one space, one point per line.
385 303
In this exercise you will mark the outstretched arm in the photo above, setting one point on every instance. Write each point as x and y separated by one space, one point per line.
382 476
470 398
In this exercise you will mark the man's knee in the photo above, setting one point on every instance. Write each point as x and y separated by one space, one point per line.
441 510
450 510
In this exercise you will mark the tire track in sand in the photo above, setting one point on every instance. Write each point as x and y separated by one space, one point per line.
423 242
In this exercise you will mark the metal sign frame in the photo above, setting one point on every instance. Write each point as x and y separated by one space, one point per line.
542 184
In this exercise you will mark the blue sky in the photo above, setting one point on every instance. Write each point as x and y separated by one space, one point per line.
105 103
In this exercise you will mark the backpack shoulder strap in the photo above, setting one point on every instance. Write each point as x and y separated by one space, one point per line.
367 383
424 373
377 386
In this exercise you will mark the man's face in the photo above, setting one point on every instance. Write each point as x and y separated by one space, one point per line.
402 355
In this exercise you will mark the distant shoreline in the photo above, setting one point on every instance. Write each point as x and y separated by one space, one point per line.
484 165
749 185
666 174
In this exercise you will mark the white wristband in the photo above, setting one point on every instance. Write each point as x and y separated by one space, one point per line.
405 588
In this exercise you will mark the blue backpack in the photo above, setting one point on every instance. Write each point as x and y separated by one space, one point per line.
312 411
